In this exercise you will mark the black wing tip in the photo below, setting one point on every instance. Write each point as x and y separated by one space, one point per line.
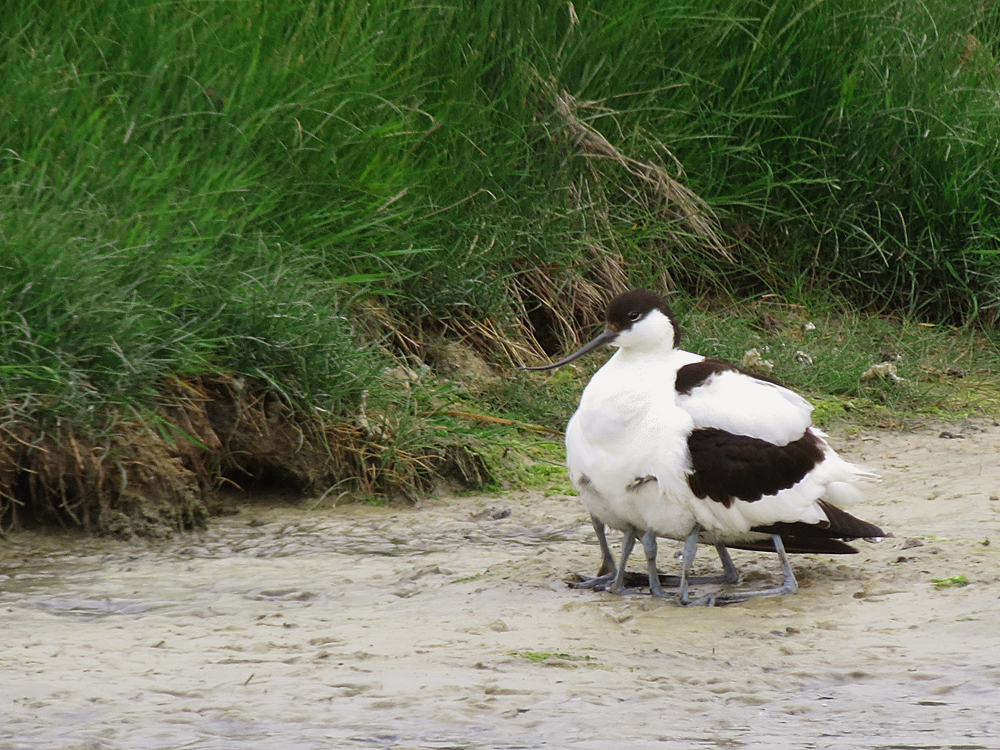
797 545
845 526
830 538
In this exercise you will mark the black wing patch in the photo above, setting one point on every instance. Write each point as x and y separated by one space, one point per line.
728 467
695 374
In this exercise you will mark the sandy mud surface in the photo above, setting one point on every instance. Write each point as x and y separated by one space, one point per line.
449 625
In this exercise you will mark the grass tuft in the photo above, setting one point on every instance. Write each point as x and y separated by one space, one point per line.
272 207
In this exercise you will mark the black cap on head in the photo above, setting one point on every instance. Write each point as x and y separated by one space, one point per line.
632 306
624 310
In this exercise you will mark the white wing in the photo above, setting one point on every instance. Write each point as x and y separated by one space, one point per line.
744 405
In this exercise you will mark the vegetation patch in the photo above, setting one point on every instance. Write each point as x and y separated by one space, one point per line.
950 582
307 245
551 658
162 471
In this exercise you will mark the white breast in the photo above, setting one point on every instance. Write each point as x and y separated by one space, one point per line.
628 427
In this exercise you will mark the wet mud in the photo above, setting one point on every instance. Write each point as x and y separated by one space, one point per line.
449 625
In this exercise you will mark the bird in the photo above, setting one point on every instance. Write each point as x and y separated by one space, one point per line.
668 443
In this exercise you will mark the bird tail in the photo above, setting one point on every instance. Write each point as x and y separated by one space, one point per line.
804 545
827 537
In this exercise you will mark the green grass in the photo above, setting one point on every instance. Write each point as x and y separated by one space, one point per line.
942 369
950 582
552 658
300 195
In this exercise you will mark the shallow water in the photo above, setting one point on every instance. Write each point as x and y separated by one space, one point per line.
449 626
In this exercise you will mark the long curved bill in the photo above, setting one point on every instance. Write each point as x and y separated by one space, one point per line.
605 338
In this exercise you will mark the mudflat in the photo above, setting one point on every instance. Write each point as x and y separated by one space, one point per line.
450 625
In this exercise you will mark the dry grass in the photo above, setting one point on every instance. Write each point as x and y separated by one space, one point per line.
551 305
156 474
676 200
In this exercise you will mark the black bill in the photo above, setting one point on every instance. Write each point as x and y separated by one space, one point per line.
605 338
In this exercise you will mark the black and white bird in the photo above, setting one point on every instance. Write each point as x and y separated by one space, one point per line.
667 443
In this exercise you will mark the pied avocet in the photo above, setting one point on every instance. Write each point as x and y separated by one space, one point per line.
673 444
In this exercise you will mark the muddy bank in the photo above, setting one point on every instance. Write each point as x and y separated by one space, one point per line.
449 625
169 471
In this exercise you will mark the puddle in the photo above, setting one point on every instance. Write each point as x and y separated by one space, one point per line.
449 626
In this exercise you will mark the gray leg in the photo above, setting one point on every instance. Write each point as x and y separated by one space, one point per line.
607 572
729 572
649 546
658 581
687 561
628 542
788 586
607 559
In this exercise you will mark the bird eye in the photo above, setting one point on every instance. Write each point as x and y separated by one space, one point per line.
634 315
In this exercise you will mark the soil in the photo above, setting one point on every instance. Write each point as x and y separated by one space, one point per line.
449 625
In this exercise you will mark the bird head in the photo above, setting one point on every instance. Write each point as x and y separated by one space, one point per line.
635 320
